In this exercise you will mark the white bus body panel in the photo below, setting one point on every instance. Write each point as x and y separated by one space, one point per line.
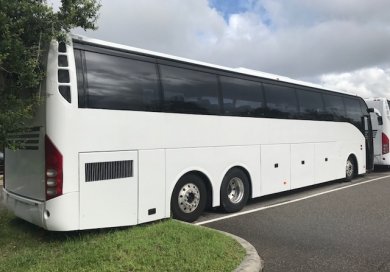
58 214
108 202
327 161
302 165
151 186
275 168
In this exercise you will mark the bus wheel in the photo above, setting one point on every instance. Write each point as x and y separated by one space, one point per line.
350 169
234 190
188 199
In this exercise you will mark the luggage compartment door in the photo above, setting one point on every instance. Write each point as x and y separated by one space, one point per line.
275 168
108 189
302 165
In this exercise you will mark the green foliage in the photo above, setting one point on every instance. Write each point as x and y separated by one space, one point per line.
26 28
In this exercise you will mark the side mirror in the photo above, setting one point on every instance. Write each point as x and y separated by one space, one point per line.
380 120
370 110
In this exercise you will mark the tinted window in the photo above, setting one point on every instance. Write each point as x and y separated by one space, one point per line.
363 107
80 77
311 105
120 83
281 101
354 112
334 107
242 97
189 91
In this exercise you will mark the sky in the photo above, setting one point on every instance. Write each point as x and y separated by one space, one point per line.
340 44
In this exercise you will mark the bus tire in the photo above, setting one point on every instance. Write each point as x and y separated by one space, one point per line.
234 191
189 198
350 168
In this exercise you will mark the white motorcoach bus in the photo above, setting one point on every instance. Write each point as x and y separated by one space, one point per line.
381 130
128 136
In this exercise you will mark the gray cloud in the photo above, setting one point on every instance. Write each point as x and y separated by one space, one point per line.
303 39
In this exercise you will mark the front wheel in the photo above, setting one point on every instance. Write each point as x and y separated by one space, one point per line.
188 199
350 169
234 190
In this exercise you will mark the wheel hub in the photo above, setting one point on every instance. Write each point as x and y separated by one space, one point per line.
235 190
188 198
349 168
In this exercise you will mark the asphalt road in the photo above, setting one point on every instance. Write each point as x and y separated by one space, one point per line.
346 229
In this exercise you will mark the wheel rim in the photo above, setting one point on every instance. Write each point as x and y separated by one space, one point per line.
349 168
235 190
189 197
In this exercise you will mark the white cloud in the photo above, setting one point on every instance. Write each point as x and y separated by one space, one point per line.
370 82
171 26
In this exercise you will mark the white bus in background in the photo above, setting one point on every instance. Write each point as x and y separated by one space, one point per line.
127 136
381 129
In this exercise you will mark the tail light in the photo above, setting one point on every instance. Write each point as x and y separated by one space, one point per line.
385 144
53 173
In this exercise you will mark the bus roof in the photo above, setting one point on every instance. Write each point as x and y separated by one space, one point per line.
240 70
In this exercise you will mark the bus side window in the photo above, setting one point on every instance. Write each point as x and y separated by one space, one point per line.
281 101
311 106
189 91
354 112
334 107
242 97
80 77
121 83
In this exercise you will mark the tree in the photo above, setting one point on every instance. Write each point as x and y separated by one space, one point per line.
26 29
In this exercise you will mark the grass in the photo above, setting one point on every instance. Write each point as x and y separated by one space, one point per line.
162 246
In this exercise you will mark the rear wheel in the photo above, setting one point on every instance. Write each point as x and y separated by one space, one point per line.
234 190
350 169
188 199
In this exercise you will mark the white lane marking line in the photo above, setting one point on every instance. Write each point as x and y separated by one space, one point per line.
288 202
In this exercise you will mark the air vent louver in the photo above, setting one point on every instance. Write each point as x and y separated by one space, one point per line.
28 139
108 170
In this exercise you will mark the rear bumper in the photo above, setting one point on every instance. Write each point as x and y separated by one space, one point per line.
58 214
27 209
382 159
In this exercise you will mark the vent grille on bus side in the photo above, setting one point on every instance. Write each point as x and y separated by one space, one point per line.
108 170
28 139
